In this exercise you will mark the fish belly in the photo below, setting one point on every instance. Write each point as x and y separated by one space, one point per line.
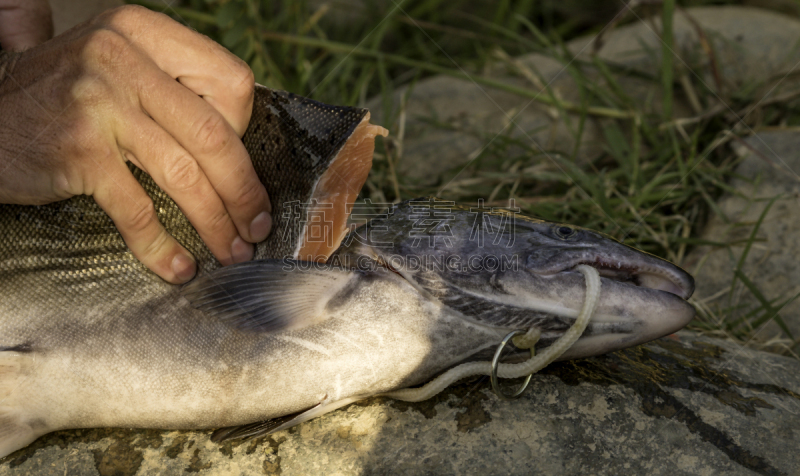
165 365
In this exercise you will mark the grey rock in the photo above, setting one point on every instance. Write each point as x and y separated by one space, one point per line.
770 168
751 46
449 121
682 405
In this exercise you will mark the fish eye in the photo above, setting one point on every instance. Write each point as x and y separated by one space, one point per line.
564 232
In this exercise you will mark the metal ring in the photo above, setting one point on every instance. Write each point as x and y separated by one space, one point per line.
495 363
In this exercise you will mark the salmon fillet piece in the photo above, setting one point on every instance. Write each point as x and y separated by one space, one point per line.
333 196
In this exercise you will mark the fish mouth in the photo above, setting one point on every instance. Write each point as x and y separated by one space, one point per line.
642 298
659 276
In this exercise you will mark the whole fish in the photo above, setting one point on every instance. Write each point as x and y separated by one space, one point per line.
91 338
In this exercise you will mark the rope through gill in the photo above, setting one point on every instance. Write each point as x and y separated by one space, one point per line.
533 365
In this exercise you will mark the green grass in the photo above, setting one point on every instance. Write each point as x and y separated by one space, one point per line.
656 180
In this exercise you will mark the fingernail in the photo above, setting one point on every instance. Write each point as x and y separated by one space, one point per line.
241 250
184 267
260 226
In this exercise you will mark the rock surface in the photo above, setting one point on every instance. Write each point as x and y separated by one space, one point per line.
770 168
754 50
682 405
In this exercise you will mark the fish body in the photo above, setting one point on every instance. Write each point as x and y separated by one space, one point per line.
163 364
90 338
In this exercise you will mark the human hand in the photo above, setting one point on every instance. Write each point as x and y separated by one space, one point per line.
134 85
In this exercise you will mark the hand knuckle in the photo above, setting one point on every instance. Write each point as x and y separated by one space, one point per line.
181 173
218 222
93 96
125 16
252 193
153 248
87 145
245 87
212 135
104 155
143 218
107 47
135 11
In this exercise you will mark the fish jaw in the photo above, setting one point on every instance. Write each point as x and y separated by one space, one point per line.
626 315
643 297
614 261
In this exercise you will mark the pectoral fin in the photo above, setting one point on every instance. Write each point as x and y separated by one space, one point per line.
268 427
269 295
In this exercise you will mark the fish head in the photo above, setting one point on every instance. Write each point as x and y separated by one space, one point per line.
509 271
643 297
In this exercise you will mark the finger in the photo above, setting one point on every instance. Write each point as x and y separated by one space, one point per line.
180 176
25 24
204 133
200 64
233 100
120 195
